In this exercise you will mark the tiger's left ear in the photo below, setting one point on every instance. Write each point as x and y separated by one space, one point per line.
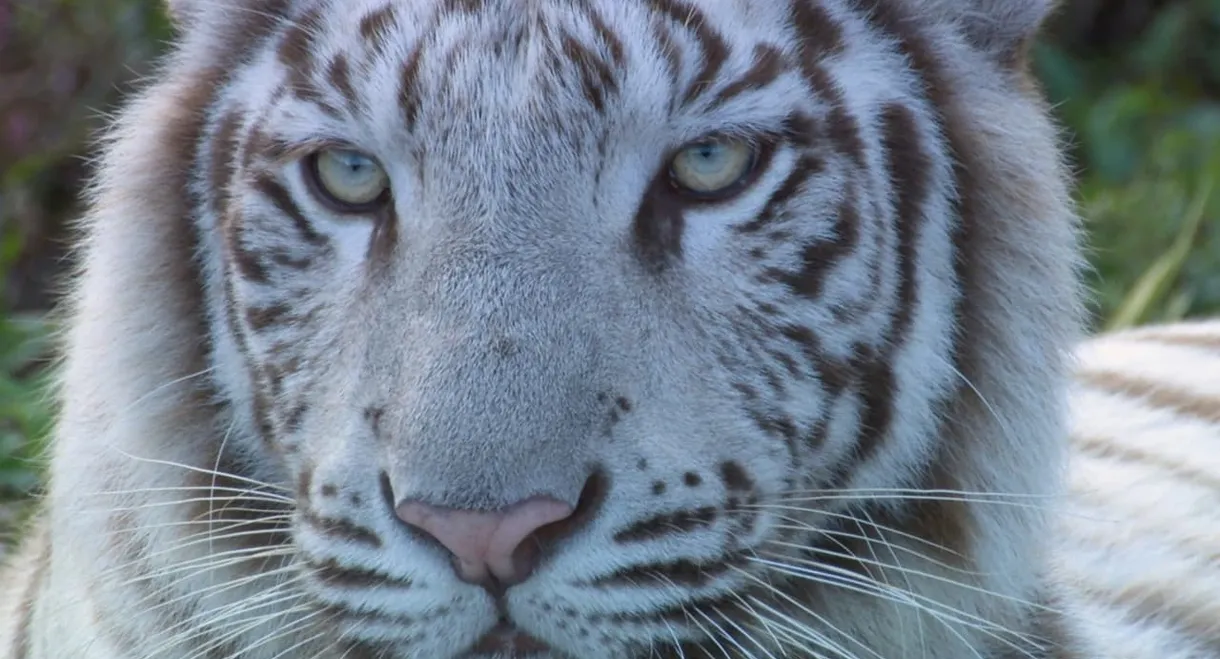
187 14
1003 29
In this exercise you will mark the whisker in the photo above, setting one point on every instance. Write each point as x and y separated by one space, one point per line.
198 539
231 636
708 635
677 643
200 470
724 634
758 618
162 387
767 625
745 634
852 581
800 636
912 495
220 455
210 561
901 570
192 628
242 493
153 505
281 521
1005 427
802 525
890 547
304 642
292 628
820 639
884 574
228 585
239 625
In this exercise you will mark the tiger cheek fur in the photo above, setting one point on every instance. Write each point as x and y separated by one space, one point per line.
725 397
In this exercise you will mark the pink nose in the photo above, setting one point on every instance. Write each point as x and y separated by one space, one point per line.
493 546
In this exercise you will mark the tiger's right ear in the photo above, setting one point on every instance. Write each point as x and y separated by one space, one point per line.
1003 29
182 12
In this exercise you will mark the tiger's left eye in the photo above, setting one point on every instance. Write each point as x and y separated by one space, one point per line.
713 167
347 180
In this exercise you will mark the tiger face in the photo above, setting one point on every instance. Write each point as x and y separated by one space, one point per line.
602 329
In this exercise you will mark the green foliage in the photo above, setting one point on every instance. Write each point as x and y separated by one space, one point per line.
63 65
1145 127
25 415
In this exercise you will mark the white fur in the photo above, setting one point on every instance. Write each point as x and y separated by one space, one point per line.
515 211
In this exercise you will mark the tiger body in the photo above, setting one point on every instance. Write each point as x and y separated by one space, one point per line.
817 411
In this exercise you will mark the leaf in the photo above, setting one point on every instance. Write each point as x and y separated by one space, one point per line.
1156 281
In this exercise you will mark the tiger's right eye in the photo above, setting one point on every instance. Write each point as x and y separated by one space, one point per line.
347 181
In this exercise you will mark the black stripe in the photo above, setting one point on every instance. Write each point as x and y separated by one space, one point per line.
715 49
341 528
285 204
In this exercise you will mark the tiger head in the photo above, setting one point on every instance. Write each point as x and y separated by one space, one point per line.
624 328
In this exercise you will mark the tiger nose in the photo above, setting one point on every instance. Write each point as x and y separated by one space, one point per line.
495 548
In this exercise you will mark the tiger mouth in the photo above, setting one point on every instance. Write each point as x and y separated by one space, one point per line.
506 639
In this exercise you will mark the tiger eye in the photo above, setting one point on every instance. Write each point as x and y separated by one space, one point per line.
348 180
713 168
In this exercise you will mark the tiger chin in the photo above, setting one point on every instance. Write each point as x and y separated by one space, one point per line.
607 329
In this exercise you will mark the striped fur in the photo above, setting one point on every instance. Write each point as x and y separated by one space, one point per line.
1139 541
822 416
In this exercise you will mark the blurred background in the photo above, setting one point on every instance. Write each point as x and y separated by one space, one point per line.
1135 83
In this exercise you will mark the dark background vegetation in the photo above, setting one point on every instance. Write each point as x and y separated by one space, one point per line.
1136 84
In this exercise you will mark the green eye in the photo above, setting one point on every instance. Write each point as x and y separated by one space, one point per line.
713 167
348 180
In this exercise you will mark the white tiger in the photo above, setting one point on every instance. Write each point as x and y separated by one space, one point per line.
608 329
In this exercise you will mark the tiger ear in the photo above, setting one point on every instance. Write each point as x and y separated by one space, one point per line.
189 13
1003 29
181 12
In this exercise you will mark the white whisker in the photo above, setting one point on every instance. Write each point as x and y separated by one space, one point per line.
821 640
200 470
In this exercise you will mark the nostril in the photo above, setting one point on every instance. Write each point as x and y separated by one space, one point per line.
514 550
487 547
588 506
